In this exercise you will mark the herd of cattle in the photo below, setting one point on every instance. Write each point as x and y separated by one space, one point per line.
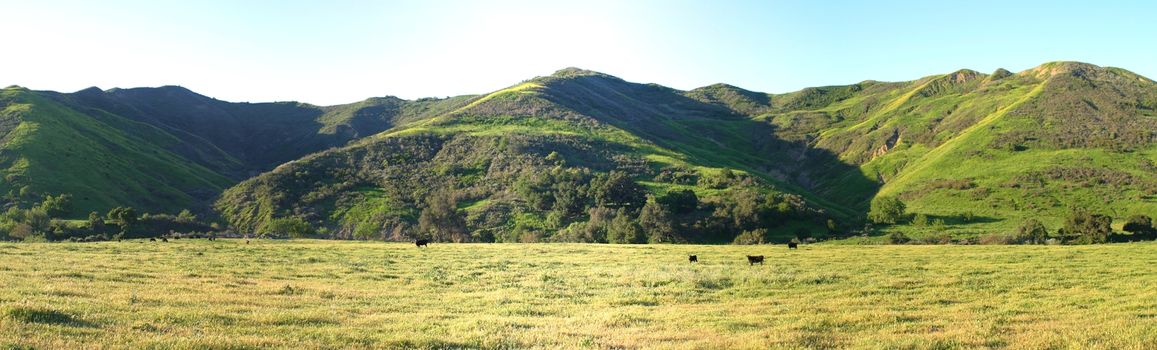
751 259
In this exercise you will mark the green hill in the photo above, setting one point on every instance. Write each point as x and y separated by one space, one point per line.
997 148
167 149
980 152
103 160
585 156
544 160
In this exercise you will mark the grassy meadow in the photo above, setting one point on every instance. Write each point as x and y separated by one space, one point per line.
344 294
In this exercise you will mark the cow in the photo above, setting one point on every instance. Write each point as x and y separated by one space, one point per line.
693 258
152 239
751 260
422 243
792 245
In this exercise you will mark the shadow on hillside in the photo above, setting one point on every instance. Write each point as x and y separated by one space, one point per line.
237 140
719 137
964 219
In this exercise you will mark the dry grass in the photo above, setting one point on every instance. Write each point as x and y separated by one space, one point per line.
323 294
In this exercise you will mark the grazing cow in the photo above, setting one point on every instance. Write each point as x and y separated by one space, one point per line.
422 243
163 239
751 260
152 239
792 245
693 258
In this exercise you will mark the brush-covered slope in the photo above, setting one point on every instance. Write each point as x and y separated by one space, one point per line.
982 151
167 149
553 158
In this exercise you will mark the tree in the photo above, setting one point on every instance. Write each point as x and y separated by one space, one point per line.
680 202
125 217
1032 231
95 222
751 237
833 227
56 206
746 211
599 223
656 223
1141 227
440 219
21 231
1088 228
186 216
293 226
619 191
624 230
38 219
886 210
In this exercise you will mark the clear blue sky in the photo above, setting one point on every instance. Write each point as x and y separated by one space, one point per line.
329 52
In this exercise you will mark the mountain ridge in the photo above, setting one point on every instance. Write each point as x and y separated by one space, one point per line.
826 150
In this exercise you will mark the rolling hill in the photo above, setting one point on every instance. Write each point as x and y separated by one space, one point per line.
997 147
584 156
166 149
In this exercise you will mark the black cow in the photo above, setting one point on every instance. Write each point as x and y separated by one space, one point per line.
422 243
693 258
152 239
792 245
751 260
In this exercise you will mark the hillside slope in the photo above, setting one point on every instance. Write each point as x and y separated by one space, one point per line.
47 148
543 160
577 155
993 148
980 152
167 149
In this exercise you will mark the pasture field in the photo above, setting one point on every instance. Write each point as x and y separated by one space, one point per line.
343 294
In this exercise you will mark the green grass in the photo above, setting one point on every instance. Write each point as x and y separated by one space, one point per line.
326 294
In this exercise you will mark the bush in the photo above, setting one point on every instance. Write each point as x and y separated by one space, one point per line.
995 239
898 238
886 210
1141 227
940 238
1087 228
624 230
751 237
1032 231
292 226
920 220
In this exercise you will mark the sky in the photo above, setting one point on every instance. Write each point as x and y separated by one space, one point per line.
333 52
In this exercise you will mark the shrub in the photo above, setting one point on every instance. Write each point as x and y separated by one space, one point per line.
886 210
751 237
1087 228
939 238
1032 231
920 220
898 238
994 239
1141 227
293 226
